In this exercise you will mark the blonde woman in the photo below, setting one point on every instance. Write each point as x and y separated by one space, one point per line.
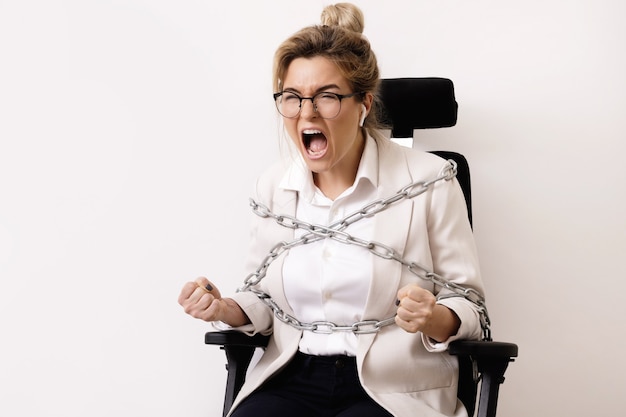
352 333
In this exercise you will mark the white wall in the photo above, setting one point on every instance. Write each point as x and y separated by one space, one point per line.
131 131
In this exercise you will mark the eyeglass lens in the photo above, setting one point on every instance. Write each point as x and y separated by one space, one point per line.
327 105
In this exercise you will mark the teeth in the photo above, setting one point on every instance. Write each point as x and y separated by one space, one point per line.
312 132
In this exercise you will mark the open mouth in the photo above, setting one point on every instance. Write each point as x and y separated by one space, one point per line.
315 142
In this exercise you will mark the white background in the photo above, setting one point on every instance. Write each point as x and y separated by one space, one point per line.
131 132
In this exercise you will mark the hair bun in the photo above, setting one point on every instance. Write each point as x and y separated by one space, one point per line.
345 15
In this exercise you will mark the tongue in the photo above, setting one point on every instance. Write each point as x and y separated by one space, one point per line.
317 144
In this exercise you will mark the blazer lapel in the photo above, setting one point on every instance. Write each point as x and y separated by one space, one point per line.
391 228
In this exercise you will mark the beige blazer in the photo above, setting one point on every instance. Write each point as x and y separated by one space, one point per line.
401 371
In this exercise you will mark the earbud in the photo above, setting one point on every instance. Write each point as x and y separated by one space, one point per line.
363 115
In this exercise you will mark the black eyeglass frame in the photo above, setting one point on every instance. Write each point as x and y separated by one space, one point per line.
312 98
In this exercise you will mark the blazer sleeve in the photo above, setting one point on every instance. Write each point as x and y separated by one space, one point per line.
454 257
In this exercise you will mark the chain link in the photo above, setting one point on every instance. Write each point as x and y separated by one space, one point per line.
336 232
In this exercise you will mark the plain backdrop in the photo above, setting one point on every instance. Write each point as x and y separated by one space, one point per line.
131 133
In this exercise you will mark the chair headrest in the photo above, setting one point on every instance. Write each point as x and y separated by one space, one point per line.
417 103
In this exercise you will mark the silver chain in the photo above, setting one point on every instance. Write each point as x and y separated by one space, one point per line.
336 232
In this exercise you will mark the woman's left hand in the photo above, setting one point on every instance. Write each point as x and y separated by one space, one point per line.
415 308
418 311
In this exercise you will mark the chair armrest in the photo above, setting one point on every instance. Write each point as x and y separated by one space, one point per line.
478 349
488 361
235 338
239 349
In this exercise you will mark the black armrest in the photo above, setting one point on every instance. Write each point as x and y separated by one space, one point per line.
239 348
481 348
489 360
235 338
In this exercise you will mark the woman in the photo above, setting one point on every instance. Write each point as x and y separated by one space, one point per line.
352 333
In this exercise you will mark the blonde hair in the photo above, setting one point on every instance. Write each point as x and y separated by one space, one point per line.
346 15
339 39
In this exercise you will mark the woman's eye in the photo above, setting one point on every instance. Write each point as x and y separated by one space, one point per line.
291 98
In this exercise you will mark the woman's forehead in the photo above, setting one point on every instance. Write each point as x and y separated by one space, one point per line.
313 74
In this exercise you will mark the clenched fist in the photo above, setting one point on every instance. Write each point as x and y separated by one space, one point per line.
418 311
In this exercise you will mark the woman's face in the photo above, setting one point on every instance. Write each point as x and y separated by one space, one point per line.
331 148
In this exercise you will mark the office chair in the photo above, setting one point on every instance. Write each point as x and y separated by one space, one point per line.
409 104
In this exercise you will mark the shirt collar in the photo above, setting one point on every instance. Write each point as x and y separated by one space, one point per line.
299 178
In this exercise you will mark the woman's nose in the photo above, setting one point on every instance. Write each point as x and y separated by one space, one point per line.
308 110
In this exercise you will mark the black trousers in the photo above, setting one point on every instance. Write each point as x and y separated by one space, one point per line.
313 386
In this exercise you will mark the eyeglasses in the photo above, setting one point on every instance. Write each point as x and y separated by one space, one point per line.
326 104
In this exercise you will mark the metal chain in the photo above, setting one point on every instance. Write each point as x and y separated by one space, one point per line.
335 232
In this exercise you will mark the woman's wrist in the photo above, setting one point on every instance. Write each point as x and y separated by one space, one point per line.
443 324
232 314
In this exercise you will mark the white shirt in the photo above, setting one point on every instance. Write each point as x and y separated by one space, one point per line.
328 280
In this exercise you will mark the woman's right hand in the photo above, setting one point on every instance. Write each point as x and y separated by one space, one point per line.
202 300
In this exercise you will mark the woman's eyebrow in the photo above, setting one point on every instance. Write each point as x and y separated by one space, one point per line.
319 90
327 87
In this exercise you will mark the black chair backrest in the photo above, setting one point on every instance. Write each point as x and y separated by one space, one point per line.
417 103
424 103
